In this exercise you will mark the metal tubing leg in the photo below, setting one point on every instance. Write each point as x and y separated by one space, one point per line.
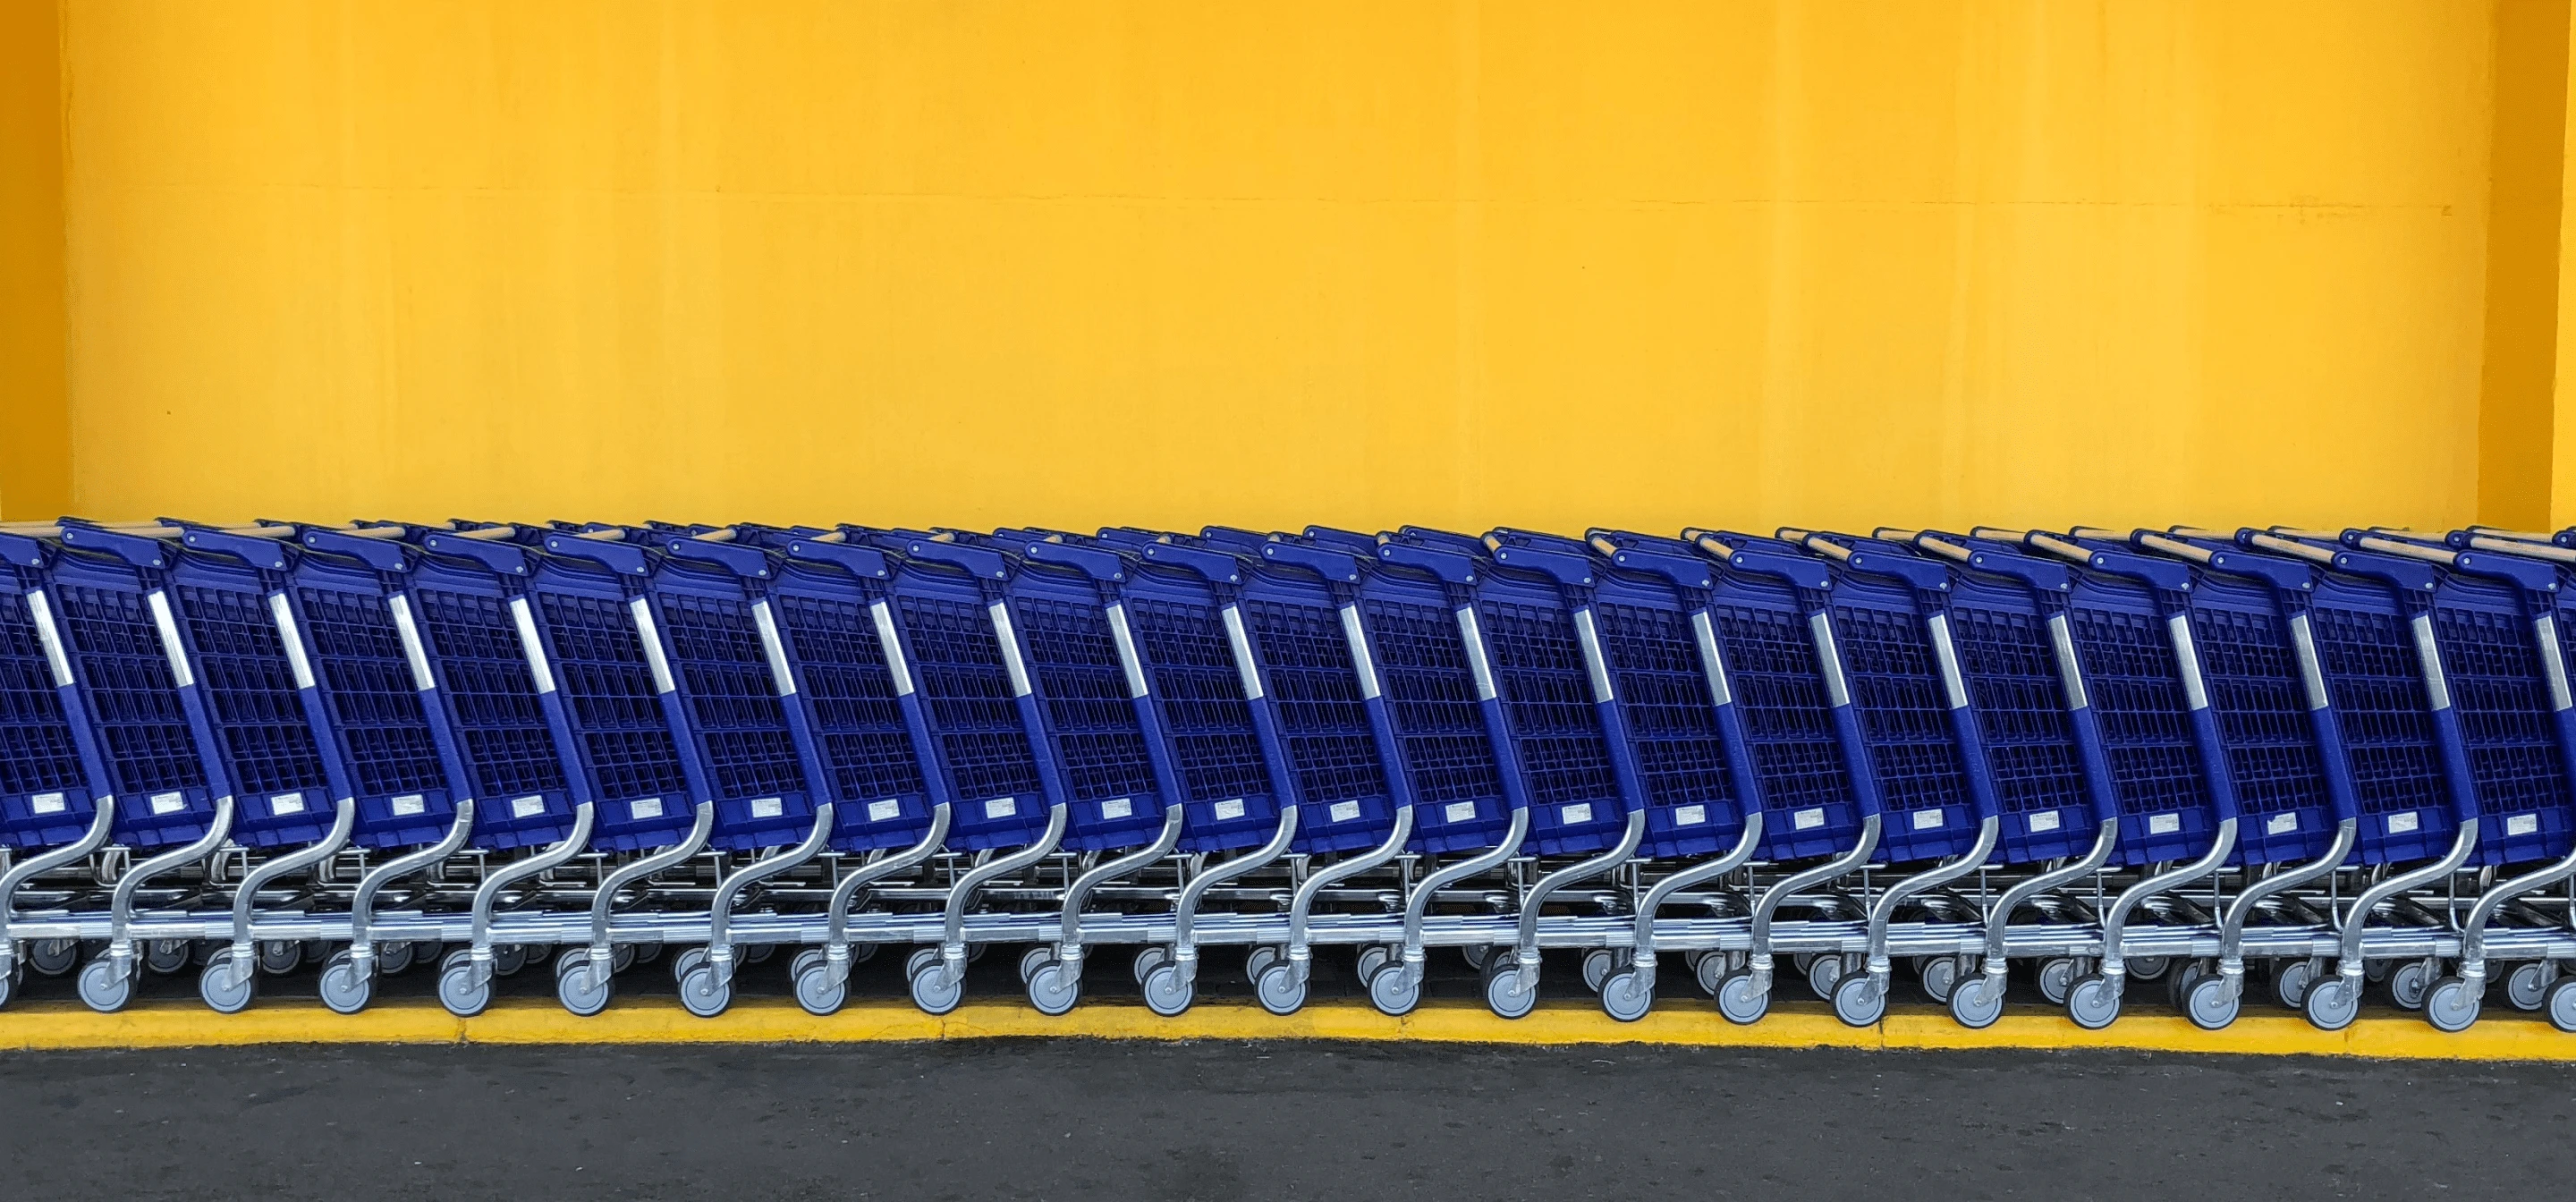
2350 966
1068 948
2473 935
720 912
1418 906
1526 979
836 923
100 823
605 900
120 904
362 903
1301 953
245 898
2115 921
479 949
2231 926
1880 968
1789 886
1643 955
1185 947
1999 920
952 942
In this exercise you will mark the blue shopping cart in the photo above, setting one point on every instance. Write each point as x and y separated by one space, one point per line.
57 806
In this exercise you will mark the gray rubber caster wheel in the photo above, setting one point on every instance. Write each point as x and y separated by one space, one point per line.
277 957
809 956
1478 954
1148 958
2180 980
508 959
1598 964
1258 961
2090 1004
687 962
1279 990
169 957
101 989
9 985
1976 1003
1940 975
2375 971
1858 1001
574 987
2525 988
2149 968
52 957
1503 995
816 991
224 993
1053 990
2560 1005
2331 1004
1392 994
1711 969
1823 974
2208 1005
2056 978
934 990
394 959
2408 983
920 959
620 957
2291 980
702 994
758 953
1625 996
2450 1005
1167 993
1374 957
342 988
1034 959
457 990
1739 1001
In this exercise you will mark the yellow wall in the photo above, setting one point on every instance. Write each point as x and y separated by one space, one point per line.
35 418
1168 263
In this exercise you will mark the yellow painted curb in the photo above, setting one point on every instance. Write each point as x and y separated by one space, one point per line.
769 1020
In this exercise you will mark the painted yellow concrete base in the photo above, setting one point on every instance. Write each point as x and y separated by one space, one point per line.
181 1024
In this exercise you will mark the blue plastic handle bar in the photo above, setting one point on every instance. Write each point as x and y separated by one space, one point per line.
1685 571
2288 574
1799 571
626 559
1331 565
859 561
2532 575
2155 573
269 554
1100 565
382 554
1217 568
20 549
1921 573
2030 570
508 559
135 549
1453 566
2410 575
741 559
1558 565
976 560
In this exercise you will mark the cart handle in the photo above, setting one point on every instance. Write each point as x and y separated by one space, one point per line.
2389 546
2200 532
2106 535
1943 548
2550 551
486 533
2058 547
1707 540
1998 534
2158 542
2331 536
1817 543
2529 536
1895 535
2277 544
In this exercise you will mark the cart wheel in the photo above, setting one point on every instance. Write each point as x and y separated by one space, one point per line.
1858 1001
1975 1006
1391 994
1279 990
934 990
1376 956
686 962
508 959
2408 983
1053 990
1598 964
223 992
102 989
2560 1005
1823 973
2179 982
1477 954
1625 996
2090 1004
2291 980
52 957
1739 1001
2525 987
1940 977
393 959
2331 1004
758 953
1504 996
1148 958
1258 961
573 987
1034 959
704 995
620 957
1167 993
168 957
2057 979
1710 970
458 991
342 989
808 956
816 991
2450 1005
2149 968
2208 1005
8 985
2374 971
920 959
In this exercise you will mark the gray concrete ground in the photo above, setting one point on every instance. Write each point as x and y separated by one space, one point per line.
1082 1119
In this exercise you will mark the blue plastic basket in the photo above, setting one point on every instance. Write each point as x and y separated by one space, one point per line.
2483 622
49 772
864 714
1677 707
150 729
509 733
623 740
709 602
380 729
2366 651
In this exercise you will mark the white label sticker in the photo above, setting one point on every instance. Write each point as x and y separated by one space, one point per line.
1344 811
1690 815
1458 811
1117 807
1925 820
650 807
527 807
767 807
2399 824
169 803
409 805
1229 809
286 803
1580 811
1807 819
2280 824
1001 807
2163 824
47 803
884 811
2522 824
2045 820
